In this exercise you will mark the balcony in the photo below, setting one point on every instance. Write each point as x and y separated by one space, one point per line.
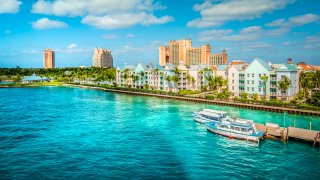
273 86
273 94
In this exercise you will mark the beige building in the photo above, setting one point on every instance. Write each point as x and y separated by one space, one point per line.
182 52
48 58
102 58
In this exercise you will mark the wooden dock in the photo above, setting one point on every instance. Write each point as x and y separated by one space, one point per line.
208 101
290 133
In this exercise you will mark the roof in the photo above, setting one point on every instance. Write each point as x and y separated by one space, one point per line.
130 67
182 67
239 67
285 67
263 63
157 67
222 67
34 78
306 67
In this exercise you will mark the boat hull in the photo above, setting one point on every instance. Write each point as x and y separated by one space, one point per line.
234 135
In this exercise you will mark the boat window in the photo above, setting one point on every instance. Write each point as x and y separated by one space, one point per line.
224 126
232 128
244 130
237 128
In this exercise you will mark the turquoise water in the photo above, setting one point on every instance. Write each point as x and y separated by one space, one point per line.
70 133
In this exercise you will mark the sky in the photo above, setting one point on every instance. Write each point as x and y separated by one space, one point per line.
134 29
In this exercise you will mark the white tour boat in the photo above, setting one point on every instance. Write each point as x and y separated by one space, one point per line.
208 115
238 128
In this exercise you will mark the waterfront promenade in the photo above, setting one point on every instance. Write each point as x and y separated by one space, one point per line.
208 101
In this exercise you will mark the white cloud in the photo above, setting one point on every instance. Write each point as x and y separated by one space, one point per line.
9 6
276 23
312 39
245 34
110 36
282 26
106 14
215 14
130 36
254 46
209 35
123 20
45 23
304 19
72 46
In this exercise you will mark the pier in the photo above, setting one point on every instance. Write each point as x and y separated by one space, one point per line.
285 134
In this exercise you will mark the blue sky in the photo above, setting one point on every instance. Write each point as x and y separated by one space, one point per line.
134 29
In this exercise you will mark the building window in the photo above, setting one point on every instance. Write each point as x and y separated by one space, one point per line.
260 83
232 87
259 89
248 89
232 74
248 75
232 81
259 75
252 75
252 81
252 88
248 82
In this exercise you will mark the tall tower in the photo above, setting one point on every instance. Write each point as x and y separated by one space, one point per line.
163 55
102 58
48 58
205 53
224 57
184 45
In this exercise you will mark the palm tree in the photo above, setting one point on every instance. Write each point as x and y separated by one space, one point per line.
168 79
219 82
264 79
284 85
126 76
135 78
175 80
189 77
211 82
192 82
177 71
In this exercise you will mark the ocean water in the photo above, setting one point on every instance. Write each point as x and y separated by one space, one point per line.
71 133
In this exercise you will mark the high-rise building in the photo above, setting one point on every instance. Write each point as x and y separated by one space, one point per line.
218 59
48 58
102 58
182 52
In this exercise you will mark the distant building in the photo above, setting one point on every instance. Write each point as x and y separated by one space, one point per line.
102 58
34 78
48 58
181 51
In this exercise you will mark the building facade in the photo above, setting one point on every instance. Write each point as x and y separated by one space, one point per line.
48 58
236 78
241 78
102 58
181 51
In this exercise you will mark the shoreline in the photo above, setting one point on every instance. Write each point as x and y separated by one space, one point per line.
207 101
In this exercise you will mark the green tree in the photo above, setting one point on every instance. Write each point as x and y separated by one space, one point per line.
284 85
265 80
